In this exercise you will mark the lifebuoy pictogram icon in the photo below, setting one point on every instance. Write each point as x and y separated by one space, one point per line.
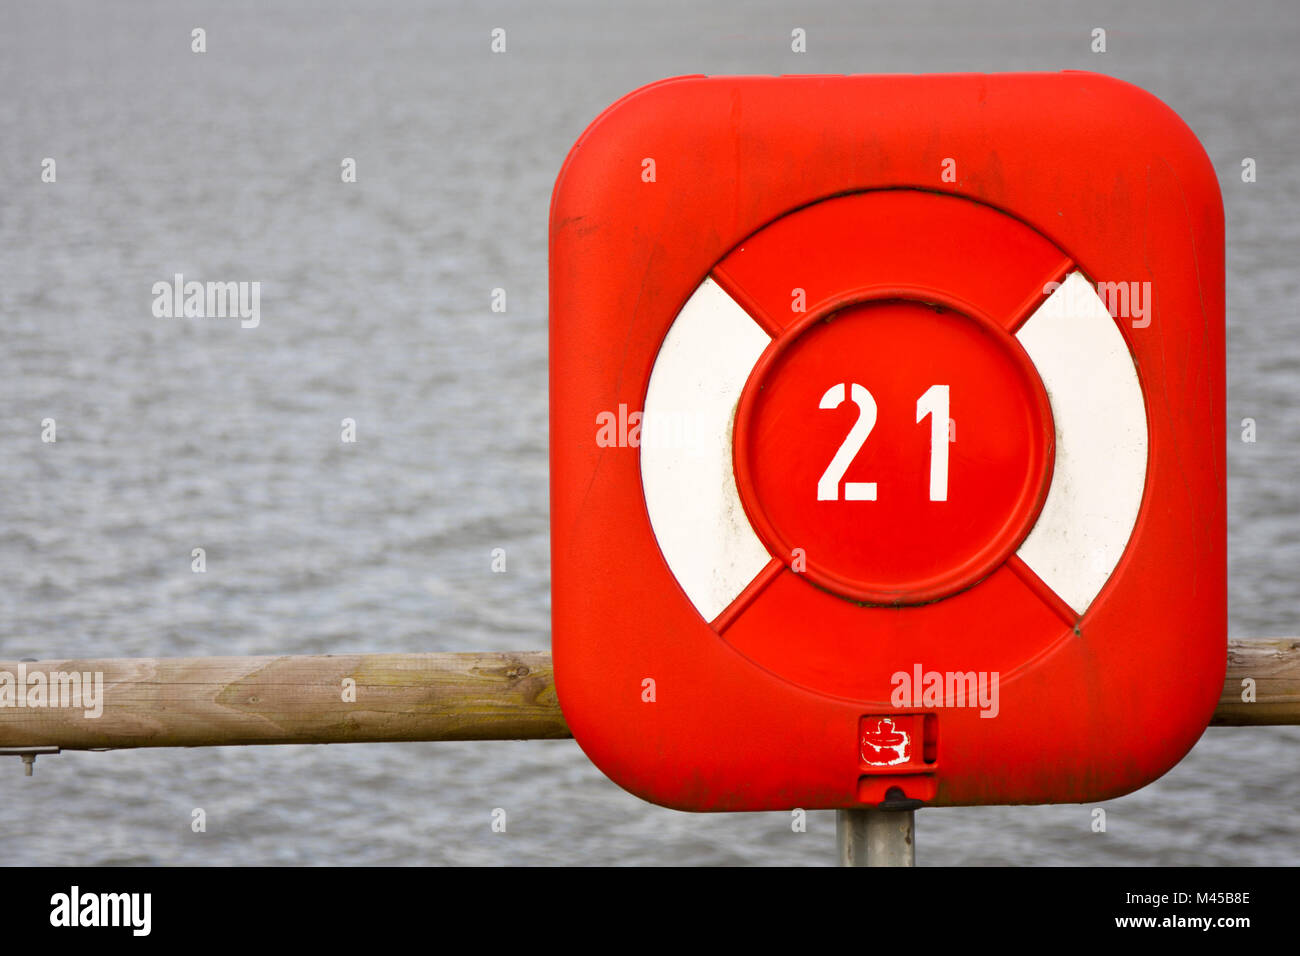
1045 472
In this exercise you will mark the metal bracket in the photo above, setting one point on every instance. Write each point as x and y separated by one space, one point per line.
895 799
29 755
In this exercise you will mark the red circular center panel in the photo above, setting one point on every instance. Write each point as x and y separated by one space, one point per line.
892 451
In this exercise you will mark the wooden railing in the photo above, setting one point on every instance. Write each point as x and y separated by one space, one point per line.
369 698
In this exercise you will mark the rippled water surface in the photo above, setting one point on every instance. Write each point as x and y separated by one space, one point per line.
174 434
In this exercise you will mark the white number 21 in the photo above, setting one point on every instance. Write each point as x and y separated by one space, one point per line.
933 403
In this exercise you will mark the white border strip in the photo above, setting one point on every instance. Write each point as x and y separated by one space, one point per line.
686 459
1101 442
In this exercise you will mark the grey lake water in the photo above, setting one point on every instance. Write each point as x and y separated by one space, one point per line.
375 305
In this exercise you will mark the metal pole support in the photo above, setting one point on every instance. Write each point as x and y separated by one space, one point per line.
876 837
